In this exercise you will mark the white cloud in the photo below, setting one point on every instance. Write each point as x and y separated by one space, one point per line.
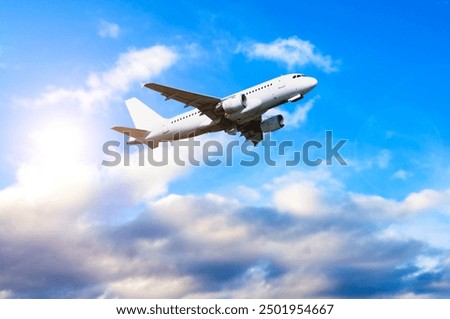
256 284
108 29
401 174
412 296
376 206
150 287
306 193
5 294
294 52
247 194
427 264
381 160
298 116
424 201
303 199
101 88
217 227
318 176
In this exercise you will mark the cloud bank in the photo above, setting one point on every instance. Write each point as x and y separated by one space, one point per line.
314 239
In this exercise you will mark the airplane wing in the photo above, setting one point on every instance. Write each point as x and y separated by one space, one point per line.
206 104
252 131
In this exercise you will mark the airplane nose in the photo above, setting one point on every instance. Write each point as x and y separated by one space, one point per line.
310 84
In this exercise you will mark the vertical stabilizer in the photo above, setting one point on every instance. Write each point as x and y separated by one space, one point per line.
144 118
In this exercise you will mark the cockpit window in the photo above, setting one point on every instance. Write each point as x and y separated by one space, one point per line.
298 76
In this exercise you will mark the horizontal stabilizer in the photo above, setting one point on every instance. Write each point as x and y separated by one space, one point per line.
137 136
133 132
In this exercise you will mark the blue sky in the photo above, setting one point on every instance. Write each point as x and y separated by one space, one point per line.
378 227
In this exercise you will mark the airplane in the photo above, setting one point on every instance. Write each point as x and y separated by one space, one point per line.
240 112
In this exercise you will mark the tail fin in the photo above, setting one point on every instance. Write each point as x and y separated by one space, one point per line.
143 117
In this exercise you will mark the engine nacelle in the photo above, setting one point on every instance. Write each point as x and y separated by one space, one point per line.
272 124
235 103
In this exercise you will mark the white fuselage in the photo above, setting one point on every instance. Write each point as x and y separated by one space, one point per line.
260 98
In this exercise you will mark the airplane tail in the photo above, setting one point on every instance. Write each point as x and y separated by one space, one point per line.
144 119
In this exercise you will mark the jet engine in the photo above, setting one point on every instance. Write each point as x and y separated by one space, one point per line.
235 103
272 123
